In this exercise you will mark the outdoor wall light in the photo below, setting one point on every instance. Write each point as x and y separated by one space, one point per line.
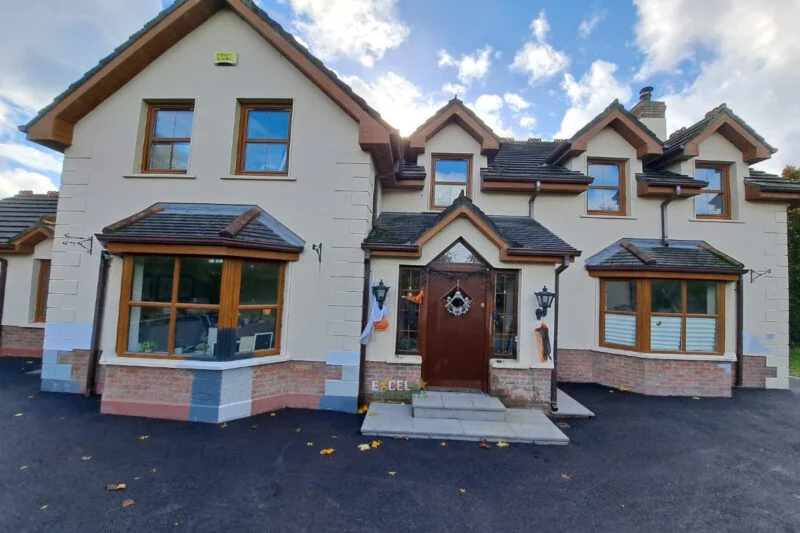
545 299
380 291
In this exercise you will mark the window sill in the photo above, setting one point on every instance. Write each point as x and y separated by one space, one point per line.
153 175
405 359
116 360
726 357
612 217
39 325
509 363
259 178
722 220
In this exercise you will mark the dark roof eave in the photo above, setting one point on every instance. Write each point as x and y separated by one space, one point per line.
543 253
544 178
687 182
783 186
221 241
383 247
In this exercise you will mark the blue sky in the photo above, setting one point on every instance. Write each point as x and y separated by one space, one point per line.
537 68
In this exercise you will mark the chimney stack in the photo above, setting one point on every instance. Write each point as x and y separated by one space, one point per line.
652 114
25 193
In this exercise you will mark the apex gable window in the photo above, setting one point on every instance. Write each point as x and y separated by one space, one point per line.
451 177
606 194
715 200
168 138
264 132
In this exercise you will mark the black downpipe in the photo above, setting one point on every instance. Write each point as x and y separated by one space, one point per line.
97 324
554 375
739 331
3 277
364 317
664 219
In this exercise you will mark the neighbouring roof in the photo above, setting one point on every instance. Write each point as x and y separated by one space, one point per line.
518 233
653 255
669 179
244 226
764 181
526 161
23 213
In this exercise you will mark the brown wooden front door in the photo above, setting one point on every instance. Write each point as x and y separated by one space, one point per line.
456 346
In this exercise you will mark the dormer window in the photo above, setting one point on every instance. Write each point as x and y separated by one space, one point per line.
451 175
715 200
606 195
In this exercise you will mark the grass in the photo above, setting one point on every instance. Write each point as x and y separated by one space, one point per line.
794 361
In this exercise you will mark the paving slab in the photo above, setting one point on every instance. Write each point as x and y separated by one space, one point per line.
569 407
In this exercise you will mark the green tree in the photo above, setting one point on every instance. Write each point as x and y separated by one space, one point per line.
793 230
791 173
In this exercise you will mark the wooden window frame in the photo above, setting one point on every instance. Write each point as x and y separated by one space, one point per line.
243 140
400 293
623 186
449 157
149 138
514 352
644 313
42 290
725 191
228 306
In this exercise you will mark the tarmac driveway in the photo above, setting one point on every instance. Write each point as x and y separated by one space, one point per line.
643 464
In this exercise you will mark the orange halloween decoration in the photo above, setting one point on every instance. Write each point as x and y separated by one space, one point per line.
415 298
381 324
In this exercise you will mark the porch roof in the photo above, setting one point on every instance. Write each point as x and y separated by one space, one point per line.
241 226
653 255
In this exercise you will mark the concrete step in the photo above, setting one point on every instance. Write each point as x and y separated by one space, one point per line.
458 406
569 407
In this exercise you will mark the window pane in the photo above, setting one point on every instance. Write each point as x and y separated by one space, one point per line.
160 156
408 341
701 334
702 297
152 279
458 253
604 175
408 311
712 175
264 124
620 329
173 124
667 296
180 156
709 204
603 200
200 280
260 283
265 157
148 330
195 332
665 333
445 194
257 330
620 295
452 170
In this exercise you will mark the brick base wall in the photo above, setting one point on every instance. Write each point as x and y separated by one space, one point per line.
298 384
379 370
656 377
755 372
20 341
144 391
521 387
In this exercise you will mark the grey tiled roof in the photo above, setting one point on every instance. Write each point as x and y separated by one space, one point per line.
771 182
520 233
680 138
665 177
526 161
680 255
22 212
202 223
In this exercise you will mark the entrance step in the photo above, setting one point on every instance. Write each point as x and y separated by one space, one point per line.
458 406
568 407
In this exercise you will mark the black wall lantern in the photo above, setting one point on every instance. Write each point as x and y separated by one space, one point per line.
380 291
545 299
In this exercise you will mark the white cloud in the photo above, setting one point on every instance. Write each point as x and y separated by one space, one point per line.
588 96
30 157
400 102
588 25
488 107
516 102
359 29
528 122
16 179
471 67
537 58
453 89
757 75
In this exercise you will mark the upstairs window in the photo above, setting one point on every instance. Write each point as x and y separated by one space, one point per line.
451 177
264 139
168 138
606 195
715 200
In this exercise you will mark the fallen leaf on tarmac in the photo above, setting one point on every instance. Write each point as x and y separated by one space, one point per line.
326 451
611 391
18 414
144 437
31 396
363 447
363 409
624 389
223 425
309 444
377 443
155 470
502 444
298 430
462 491
86 458
695 397
272 414
254 426
565 477
796 496
116 486
392 474
334 437
563 425
137 478
28 362
43 507
485 445
401 437
127 503
373 414
443 445
23 467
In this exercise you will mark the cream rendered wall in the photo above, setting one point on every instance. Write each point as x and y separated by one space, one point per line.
532 277
326 198
19 306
